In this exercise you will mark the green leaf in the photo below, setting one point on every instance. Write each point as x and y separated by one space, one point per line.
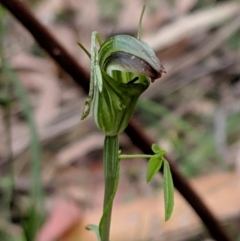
154 165
168 190
95 229
155 148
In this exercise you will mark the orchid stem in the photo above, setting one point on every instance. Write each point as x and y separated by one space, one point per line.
111 175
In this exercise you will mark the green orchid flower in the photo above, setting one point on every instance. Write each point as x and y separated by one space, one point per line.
121 70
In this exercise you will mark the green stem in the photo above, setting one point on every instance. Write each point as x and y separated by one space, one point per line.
134 156
111 174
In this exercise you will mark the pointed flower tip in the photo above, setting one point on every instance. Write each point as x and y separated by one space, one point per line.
159 73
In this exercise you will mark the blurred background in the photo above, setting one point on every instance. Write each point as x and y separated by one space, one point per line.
49 158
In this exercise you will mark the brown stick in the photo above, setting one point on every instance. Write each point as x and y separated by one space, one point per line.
47 41
144 142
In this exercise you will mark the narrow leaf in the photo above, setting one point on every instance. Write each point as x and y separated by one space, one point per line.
168 190
153 167
155 148
95 229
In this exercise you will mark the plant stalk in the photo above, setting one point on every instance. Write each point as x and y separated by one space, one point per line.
111 175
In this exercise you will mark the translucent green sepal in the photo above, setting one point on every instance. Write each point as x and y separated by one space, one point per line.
114 105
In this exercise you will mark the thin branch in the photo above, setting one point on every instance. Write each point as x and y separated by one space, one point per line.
144 142
134 131
48 42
